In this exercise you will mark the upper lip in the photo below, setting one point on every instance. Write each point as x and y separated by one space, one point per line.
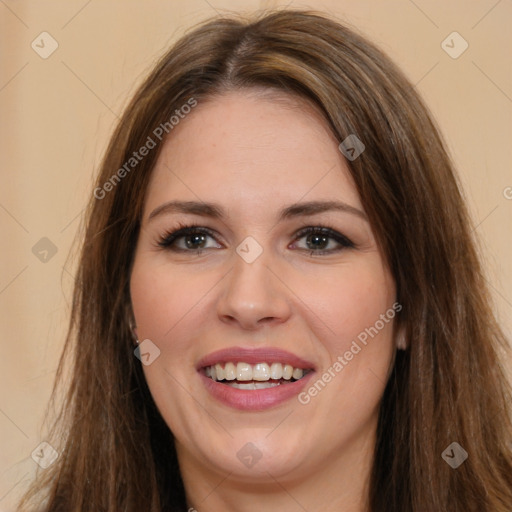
254 356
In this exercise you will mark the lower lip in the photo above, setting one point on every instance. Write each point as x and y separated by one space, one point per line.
257 399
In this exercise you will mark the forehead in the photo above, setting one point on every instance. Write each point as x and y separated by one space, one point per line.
251 152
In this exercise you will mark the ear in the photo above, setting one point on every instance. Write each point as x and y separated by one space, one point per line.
133 329
133 332
401 339
131 324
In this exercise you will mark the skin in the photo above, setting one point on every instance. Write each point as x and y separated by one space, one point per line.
253 154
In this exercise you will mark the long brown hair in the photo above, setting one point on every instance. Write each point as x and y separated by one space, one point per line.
117 453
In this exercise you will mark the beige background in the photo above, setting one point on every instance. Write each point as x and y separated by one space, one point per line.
57 113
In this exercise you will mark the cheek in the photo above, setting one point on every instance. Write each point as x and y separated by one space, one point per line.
346 302
165 301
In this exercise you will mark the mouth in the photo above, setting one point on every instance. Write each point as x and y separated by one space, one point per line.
264 375
254 379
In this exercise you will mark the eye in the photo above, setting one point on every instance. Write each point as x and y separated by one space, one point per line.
323 240
319 240
191 238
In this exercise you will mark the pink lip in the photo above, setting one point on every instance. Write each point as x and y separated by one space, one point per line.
254 356
260 399
257 399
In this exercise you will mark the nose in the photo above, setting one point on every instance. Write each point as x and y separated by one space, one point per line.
253 295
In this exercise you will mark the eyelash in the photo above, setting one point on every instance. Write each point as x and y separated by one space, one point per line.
184 230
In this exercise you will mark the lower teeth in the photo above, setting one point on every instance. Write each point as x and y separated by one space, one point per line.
254 384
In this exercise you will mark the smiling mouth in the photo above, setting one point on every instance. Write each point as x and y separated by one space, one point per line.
247 376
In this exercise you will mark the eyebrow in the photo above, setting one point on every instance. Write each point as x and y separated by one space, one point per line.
295 210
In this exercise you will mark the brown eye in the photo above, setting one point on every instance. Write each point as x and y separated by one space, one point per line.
188 239
323 240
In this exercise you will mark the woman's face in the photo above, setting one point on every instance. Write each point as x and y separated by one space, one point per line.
262 293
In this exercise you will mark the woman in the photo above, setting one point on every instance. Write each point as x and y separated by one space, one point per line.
279 303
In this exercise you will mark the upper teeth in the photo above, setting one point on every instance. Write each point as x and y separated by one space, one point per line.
260 372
